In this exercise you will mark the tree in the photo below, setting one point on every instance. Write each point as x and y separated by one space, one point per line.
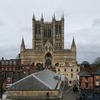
85 64
97 62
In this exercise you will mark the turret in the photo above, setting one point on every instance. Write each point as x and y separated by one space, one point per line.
33 17
62 18
22 47
62 30
53 18
42 19
73 46
33 31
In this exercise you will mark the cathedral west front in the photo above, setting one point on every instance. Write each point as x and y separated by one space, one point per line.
48 45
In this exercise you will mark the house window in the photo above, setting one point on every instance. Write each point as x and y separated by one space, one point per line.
6 62
2 62
97 82
2 69
10 62
14 62
77 70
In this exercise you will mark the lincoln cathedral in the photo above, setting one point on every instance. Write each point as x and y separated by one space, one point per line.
48 45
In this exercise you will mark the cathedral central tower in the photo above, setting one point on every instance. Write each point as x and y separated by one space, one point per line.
43 31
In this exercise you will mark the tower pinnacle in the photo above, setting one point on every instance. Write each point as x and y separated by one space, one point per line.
33 17
42 19
22 44
54 17
62 18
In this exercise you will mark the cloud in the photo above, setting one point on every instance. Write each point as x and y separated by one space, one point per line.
9 51
88 42
2 23
25 29
96 22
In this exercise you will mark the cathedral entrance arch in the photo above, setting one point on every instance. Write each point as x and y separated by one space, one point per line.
48 60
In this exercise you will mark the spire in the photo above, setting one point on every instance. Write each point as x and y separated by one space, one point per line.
62 18
23 44
73 43
42 19
33 17
53 17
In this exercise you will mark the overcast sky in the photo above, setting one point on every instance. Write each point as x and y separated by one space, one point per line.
82 20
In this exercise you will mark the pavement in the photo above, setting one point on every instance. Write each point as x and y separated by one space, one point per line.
69 94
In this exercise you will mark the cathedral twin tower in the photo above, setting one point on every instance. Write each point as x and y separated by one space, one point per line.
48 45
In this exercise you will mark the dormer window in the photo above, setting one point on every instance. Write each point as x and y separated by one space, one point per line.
2 62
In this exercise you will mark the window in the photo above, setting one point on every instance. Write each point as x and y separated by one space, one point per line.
2 62
10 62
65 70
77 70
70 82
97 82
71 75
2 69
6 62
71 70
58 70
14 62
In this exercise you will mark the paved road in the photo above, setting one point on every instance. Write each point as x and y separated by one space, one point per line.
69 94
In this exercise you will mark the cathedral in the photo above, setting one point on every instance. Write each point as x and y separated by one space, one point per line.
48 45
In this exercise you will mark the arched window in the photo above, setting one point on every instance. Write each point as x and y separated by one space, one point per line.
71 70
70 82
58 69
71 75
65 70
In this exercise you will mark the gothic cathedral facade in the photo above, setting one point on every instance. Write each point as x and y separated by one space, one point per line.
48 45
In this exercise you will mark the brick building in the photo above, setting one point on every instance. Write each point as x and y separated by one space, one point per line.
90 84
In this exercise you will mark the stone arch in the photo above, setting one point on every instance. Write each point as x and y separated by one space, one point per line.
48 59
57 64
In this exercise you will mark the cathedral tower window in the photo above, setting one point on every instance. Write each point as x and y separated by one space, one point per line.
71 75
71 70
65 70
37 29
58 29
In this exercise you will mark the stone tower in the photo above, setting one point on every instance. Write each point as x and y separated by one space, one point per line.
44 31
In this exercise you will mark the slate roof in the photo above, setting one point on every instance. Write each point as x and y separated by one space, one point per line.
84 74
37 81
97 72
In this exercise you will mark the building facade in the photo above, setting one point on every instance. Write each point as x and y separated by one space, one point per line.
89 83
70 73
48 45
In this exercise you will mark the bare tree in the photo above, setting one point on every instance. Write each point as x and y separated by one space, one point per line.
97 62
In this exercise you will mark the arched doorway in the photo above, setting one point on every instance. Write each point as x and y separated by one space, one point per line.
48 60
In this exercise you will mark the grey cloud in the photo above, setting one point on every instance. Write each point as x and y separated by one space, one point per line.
88 43
2 23
96 22
25 29
9 51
